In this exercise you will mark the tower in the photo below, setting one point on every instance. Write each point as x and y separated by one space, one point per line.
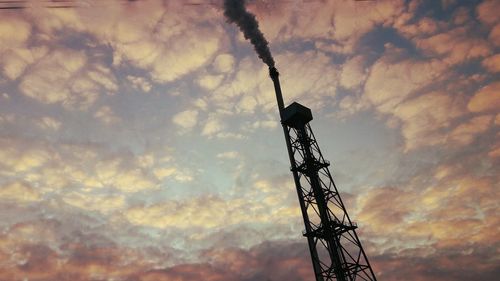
336 251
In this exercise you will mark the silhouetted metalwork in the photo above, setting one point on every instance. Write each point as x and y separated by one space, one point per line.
335 248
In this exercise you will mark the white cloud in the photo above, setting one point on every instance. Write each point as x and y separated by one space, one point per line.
140 83
353 73
186 119
224 63
228 155
14 32
388 83
212 126
47 122
66 77
94 202
106 115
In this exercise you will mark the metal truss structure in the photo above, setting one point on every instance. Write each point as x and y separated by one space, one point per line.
336 251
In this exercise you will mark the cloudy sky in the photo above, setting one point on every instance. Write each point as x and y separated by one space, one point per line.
140 140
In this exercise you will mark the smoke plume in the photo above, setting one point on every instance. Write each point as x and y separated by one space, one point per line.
235 12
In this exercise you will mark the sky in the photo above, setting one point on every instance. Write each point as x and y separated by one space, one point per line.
140 140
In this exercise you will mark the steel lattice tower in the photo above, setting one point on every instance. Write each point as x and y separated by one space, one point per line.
336 252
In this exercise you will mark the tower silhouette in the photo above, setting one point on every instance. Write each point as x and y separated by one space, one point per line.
336 251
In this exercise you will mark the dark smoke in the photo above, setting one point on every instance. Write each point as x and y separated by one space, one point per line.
235 12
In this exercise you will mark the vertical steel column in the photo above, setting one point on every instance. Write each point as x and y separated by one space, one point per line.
273 72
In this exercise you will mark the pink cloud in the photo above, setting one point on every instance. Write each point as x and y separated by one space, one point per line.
492 64
487 12
454 46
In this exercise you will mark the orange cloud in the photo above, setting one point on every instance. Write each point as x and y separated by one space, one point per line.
454 46
465 133
211 212
486 99
455 210
19 192
492 64
486 12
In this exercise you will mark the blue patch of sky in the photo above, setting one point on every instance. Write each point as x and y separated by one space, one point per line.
469 68
336 58
295 45
373 44
436 10
340 93
26 111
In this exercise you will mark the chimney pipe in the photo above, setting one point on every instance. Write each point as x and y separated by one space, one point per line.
273 72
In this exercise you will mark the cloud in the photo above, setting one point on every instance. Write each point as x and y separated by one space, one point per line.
381 216
16 60
16 161
228 155
114 173
353 73
495 35
486 98
424 116
210 212
347 21
399 90
187 119
413 28
389 83
50 169
224 63
462 16
73 260
14 32
210 82
213 126
19 192
486 12
165 39
495 152
140 83
432 213
454 46
336 21
94 202
465 133
492 63
106 115
99 204
163 172
68 78
298 80
7 118
47 122
438 266
167 170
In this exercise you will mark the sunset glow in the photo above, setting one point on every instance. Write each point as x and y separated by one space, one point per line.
140 140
